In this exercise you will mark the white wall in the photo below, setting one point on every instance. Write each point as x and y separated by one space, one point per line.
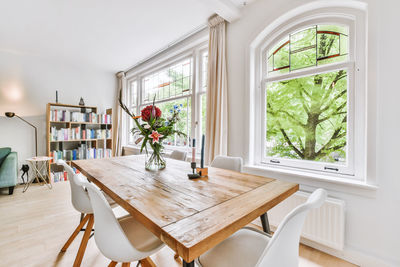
372 231
28 83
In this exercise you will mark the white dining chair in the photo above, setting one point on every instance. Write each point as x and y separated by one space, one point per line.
178 155
120 240
228 163
81 202
249 247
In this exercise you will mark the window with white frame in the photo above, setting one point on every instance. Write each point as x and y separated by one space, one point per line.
308 105
178 83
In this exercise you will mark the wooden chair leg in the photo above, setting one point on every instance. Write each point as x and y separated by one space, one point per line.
112 264
126 264
85 239
177 258
75 233
147 262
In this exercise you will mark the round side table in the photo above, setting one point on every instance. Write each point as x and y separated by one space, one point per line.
40 167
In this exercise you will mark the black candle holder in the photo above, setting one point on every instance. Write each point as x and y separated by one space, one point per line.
193 175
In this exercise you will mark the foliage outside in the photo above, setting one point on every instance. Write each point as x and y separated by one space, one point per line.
307 116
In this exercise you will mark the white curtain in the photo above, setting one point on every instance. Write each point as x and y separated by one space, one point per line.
118 127
217 88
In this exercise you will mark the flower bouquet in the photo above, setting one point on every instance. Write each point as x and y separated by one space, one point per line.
153 129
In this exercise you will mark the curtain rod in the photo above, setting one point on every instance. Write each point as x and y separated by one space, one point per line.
182 38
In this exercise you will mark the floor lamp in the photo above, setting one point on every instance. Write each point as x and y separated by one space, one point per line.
12 114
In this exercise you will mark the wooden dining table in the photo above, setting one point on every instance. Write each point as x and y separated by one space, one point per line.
190 216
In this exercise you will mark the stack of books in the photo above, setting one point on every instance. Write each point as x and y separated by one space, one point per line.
61 176
71 116
65 134
82 152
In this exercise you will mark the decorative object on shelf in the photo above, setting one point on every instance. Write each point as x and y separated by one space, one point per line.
154 129
56 96
25 169
12 114
81 102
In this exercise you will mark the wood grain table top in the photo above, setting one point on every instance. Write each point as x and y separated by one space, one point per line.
190 216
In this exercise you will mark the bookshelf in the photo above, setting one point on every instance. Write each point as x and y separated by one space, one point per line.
77 132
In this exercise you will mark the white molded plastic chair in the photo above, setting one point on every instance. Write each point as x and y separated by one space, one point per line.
81 202
249 247
228 163
179 155
121 240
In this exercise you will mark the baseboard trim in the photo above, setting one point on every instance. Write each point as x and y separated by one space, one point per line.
348 254
351 255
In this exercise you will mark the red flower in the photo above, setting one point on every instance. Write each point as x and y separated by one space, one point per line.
149 112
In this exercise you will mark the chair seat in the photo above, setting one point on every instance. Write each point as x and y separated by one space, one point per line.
242 249
141 238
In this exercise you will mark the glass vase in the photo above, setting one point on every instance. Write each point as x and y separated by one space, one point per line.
155 161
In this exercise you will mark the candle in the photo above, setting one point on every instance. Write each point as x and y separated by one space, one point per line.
194 150
202 151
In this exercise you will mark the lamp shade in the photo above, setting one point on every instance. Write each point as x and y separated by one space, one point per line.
10 114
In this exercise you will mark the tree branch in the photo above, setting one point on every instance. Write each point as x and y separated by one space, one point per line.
301 144
338 77
336 134
337 147
333 100
298 152
293 118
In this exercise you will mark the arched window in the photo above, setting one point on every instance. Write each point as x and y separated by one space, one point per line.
311 93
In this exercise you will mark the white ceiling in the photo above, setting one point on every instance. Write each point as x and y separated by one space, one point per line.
108 34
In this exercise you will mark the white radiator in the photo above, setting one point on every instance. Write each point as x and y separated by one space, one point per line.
324 225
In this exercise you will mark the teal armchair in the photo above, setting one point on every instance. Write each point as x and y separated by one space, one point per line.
8 169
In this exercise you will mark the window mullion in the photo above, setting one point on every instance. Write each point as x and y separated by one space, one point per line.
311 71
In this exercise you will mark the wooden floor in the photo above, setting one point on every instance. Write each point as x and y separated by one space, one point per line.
35 225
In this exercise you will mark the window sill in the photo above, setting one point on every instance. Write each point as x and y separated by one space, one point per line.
308 180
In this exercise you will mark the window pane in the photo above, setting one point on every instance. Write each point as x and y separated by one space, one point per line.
204 71
303 59
133 93
171 82
309 47
183 125
332 44
328 44
303 39
302 49
307 118
278 57
281 57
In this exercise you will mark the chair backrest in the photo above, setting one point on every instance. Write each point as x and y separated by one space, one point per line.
79 197
127 151
4 151
283 249
179 155
109 235
228 163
